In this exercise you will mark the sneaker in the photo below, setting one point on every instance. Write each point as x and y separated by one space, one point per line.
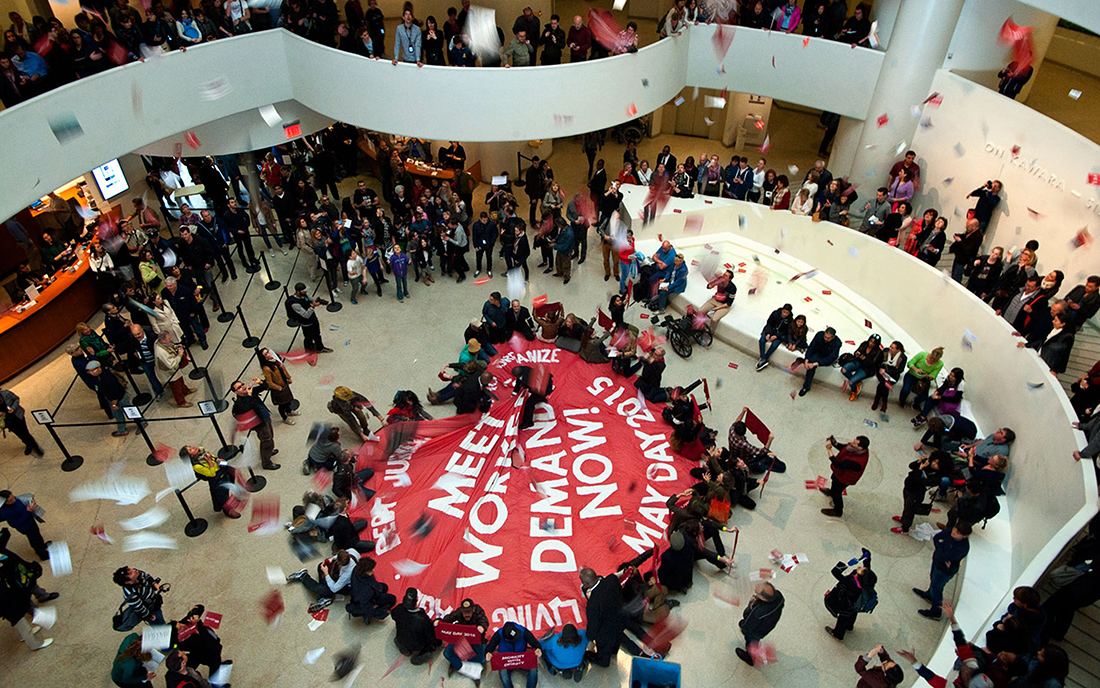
802 392
50 596
898 531
490 273
116 433
354 302
761 364
323 603
45 643
306 468
896 518
288 421
284 251
325 350
478 272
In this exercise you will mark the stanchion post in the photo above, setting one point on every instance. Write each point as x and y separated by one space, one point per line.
195 526
333 304
227 451
219 403
71 462
255 483
250 341
150 460
197 372
140 398
224 316
272 283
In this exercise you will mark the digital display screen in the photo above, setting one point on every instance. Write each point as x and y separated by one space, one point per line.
110 179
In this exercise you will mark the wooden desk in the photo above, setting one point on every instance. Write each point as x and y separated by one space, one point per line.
28 336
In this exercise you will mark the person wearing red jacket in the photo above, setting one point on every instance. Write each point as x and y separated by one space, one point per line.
847 466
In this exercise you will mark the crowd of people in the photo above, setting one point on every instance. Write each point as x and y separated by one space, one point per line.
42 54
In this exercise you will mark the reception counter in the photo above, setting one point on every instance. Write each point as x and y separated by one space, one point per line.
28 336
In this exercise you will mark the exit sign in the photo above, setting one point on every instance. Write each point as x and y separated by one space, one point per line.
292 130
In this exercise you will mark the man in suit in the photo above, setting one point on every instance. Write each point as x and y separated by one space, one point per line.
14 417
666 158
607 621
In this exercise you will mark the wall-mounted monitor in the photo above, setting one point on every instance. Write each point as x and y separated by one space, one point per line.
110 179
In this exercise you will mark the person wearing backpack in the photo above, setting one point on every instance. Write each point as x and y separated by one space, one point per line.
18 583
301 309
853 593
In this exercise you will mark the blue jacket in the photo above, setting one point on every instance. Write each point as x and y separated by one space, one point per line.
17 515
678 279
564 657
485 234
948 550
740 182
823 352
564 244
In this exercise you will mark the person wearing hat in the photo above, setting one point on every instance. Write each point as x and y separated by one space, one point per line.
760 618
514 638
864 363
847 467
886 675
471 352
111 395
301 308
348 405
414 633
467 614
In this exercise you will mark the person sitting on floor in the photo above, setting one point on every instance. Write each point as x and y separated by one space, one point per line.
758 459
324 452
370 598
334 574
414 633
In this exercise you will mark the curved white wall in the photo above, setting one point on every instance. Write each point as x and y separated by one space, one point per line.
1080 12
159 101
971 140
1050 497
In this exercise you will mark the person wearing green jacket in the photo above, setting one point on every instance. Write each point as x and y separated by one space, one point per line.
129 670
923 370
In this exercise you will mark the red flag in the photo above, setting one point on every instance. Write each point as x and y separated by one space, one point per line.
882 120
1094 179
757 427
538 301
192 140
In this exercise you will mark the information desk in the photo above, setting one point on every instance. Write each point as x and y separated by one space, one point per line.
28 336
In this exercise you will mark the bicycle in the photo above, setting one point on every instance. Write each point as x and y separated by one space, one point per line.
681 332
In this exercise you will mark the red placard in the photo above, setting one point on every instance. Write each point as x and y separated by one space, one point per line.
1094 179
882 120
757 427
826 292
212 620
452 633
187 631
733 365
538 301
512 660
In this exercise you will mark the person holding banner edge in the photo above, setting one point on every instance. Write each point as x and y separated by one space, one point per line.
467 614
512 639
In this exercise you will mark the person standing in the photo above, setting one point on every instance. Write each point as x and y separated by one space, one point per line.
128 669
563 252
253 414
13 417
406 47
760 618
143 594
111 396
951 547
169 354
847 467
966 248
850 595
303 311
239 225
278 380
20 515
399 263
15 601
485 239
886 675
988 198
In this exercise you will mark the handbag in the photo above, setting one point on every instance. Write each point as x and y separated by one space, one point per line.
126 619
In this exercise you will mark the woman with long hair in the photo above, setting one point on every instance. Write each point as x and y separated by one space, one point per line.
128 670
564 652
278 381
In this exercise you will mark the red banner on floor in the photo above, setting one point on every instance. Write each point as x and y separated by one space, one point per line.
472 506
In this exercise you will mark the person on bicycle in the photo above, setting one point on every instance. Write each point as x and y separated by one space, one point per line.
720 304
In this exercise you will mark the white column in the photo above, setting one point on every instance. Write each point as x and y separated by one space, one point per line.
918 45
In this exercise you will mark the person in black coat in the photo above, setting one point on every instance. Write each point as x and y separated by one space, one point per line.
15 595
203 647
538 382
607 620
677 569
1055 344
414 633
518 319
848 596
924 474
761 616
345 533
370 599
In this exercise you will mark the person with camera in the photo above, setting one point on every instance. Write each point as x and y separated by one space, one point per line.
143 597
847 466
302 310
988 198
